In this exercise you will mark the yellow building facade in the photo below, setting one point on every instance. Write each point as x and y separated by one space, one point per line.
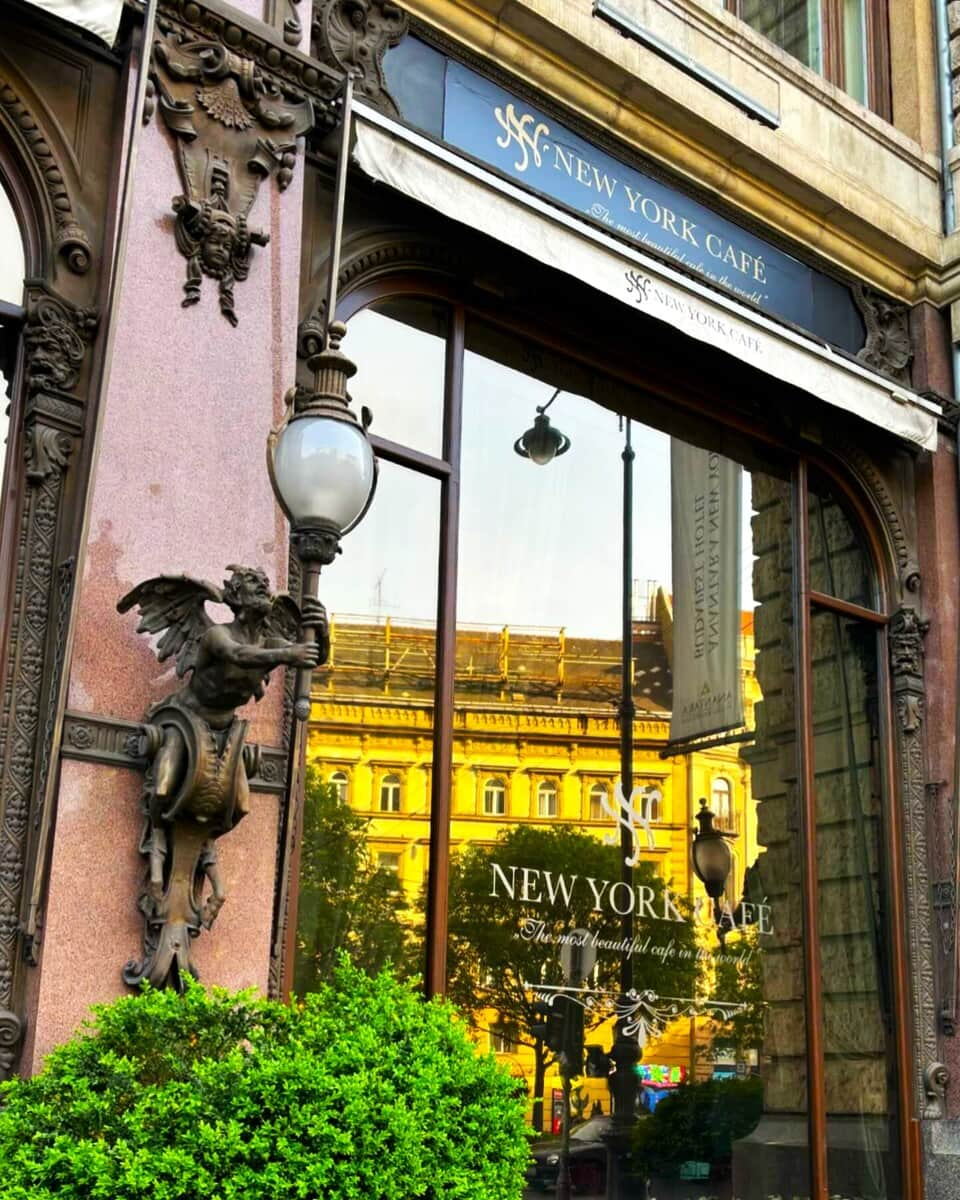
537 742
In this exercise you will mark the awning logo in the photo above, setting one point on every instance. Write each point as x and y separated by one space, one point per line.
526 131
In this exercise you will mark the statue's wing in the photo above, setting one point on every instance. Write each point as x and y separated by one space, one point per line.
175 605
284 619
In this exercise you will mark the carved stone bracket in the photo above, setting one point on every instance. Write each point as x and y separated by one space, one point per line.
354 35
70 239
888 348
906 634
234 125
117 743
936 1078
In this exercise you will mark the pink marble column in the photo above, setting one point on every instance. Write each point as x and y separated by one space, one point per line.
179 485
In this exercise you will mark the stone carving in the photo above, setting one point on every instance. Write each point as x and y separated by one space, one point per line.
888 348
196 785
907 632
234 126
905 638
56 339
71 239
354 35
936 1077
285 16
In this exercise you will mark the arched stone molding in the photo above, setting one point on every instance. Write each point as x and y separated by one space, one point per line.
370 258
52 170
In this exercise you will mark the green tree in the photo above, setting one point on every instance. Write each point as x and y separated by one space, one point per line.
739 977
497 945
347 903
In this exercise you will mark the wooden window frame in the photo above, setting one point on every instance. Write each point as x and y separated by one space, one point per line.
877 35
806 601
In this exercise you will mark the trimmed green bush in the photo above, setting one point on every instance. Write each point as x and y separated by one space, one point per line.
360 1092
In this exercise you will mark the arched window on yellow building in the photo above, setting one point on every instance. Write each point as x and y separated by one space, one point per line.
721 803
547 799
494 798
341 783
390 793
598 793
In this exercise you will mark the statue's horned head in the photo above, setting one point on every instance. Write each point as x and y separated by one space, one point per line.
247 588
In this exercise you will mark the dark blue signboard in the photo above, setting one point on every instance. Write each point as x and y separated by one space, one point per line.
476 116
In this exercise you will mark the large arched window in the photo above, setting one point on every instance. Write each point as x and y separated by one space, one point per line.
523 662
341 784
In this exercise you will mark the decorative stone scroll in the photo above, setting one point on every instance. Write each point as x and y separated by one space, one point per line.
354 35
888 348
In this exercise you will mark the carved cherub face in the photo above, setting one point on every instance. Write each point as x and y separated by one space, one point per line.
216 247
248 590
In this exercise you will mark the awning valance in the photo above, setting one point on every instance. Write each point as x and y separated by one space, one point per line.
436 176
100 17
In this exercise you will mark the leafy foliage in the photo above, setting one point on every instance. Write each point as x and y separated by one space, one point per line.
363 1090
739 975
346 902
699 1122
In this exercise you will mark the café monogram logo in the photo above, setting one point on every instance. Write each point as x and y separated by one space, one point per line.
627 816
526 131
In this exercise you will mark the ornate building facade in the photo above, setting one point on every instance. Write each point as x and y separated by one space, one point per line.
651 289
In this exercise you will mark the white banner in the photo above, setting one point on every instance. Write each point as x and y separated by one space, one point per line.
705 504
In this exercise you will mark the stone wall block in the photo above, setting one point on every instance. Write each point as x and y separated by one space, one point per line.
786 1086
782 974
856 1085
785 1031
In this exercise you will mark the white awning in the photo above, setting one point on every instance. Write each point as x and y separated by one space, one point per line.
100 17
435 175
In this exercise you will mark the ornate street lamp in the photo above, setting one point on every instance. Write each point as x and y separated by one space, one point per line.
323 472
542 443
712 859
321 464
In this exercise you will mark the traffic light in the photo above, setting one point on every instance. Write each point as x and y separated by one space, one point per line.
598 1063
559 1024
549 1023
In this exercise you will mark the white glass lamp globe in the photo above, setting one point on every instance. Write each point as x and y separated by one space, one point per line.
324 471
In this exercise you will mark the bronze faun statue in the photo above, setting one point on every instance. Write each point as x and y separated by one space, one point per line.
195 789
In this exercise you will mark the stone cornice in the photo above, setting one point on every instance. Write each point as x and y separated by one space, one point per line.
743 165
299 74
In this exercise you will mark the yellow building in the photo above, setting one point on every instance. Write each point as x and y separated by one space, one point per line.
537 741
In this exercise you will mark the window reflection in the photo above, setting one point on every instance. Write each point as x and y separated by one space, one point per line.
364 850
402 345
568 881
